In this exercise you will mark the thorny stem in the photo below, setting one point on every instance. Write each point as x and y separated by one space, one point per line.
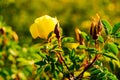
80 76
96 44
57 32
66 65
61 57
59 43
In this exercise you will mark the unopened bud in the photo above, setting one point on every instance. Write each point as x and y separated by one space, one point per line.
57 31
79 37
77 32
91 28
96 27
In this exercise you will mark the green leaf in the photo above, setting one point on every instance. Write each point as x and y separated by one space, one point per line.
71 68
103 78
66 50
58 50
39 70
113 48
68 39
77 67
43 55
117 63
110 55
59 66
85 36
111 65
117 34
105 69
47 68
100 39
106 46
56 73
91 50
53 67
101 75
107 27
51 58
55 46
77 58
95 72
111 76
115 28
41 63
92 69
72 54
81 47
42 78
50 34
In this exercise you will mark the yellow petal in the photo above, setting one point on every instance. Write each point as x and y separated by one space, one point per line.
43 26
34 31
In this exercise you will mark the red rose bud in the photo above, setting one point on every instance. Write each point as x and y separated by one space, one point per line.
57 31
96 27
91 28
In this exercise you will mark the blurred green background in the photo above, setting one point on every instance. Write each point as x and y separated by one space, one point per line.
20 14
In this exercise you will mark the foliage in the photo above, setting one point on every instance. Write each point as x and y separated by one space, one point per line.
16 62
86 60
19 14
88 57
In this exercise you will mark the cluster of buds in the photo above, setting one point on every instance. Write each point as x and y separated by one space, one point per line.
96 27
79 36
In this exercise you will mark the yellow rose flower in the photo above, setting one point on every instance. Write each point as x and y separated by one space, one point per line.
43 26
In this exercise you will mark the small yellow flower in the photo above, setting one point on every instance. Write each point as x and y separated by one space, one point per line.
43 26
